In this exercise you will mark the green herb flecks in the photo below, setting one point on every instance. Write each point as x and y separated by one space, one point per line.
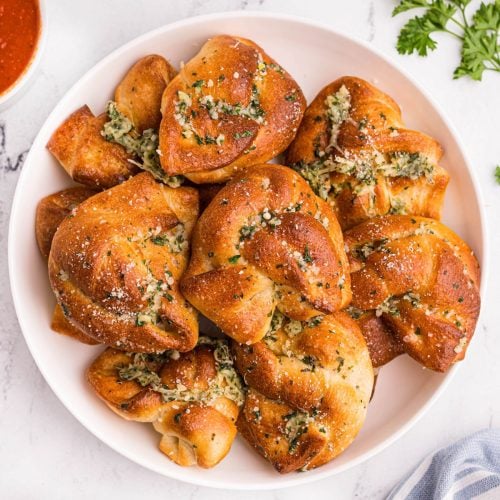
297 424
120 130
497 174
175 240
227 383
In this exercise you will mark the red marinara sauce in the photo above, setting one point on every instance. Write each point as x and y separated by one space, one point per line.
19 33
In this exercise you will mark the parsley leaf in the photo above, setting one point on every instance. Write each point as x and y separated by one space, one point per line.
479 36
477 49
408 5
487 17
497 174
415 36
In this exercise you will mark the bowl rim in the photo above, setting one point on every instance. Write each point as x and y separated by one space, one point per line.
8 97
404 428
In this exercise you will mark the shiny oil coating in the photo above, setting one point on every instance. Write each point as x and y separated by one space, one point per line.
230 70
422 280
138 95
324 372
114 273
84 153
192 432
266 241
374 124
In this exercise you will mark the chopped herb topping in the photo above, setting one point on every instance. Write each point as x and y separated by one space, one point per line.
297 423
246 232
398 207
175 240
340 361
388 306
120 130
307 255
354 312
337 111
245 133
226 383
362 252
410 165
313 322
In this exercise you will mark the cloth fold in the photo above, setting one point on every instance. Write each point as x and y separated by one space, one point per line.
469 468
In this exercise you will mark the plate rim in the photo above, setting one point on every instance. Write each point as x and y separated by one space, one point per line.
277 16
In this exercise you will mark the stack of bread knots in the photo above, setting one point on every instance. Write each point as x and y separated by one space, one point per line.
415 282
268 266
312 273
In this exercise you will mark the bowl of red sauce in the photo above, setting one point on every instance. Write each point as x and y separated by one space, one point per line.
22 33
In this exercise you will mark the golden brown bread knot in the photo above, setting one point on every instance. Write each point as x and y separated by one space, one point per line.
63 326
192 399
382 344
86 156
52 210
421 280
310 384
115 266
266 241
138 96
231 106
356 153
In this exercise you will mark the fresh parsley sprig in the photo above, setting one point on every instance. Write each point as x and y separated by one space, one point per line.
479 35
497 174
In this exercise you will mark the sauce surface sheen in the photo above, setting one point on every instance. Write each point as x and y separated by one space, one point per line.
19 33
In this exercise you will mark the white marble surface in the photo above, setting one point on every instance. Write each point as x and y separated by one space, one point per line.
44 451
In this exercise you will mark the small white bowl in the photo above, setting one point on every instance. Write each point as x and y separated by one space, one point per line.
17 89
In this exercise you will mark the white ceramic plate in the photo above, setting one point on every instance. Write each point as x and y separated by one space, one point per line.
314 55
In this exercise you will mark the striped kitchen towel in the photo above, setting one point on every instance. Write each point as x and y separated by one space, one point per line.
469 468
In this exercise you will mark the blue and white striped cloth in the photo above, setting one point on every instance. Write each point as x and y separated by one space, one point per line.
469 468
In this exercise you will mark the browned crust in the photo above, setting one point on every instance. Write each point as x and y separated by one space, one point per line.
382 344
85 155
52 210
334 391
192 433
423 257
246 142
61 325
267 436
384 132
104 266
138 95
207 193
239 295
